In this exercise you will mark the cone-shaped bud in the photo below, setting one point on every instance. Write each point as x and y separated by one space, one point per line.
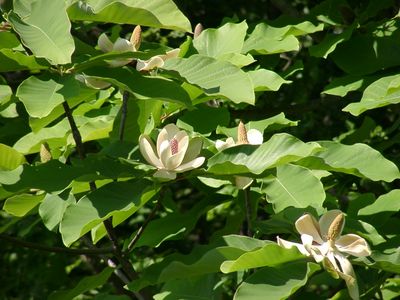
242 134
45 154
136 38
197 30
335 230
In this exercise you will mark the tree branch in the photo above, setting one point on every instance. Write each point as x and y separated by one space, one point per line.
124 114
25 244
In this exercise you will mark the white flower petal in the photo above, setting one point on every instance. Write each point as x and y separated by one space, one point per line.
147 65
353 244
326 220
195 163
221 145
174 160
104 43
349 276
255 137
166 134
171 54
122 45
307 224
165 152
193 149
288 245
165 174
147 149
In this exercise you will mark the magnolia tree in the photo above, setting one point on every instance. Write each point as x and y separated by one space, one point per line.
132 169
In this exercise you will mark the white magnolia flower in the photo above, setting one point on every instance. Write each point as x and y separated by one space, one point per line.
156 61
323 241
252 137
120 45
174 152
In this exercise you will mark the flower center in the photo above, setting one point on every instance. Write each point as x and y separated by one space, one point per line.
174 146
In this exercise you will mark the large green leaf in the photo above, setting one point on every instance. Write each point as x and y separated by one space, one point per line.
358 159
10 158
293 186
203 260
40 95
216 78
266 80
20 205
155 13
226 39
271 255
382 92
343 85
280 149
275 283
11 60
84 285
101 204
46 34
385 205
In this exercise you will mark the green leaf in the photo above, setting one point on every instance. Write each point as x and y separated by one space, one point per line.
343 85
53 207
271 255
266 80
101 204
382 92
142 87
10 158
367 163
275 283
280 149
266 39
386 203
216 78
46 34
40 95
11 60
85 284
20 205
269 124
156 13
227 39
293 186
10 41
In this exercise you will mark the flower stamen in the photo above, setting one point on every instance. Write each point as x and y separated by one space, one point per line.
242 134
174 146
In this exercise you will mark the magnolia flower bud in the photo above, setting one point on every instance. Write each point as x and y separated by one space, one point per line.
197 30
242 134
136 38
45 154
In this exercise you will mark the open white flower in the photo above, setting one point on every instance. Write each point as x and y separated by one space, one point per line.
156 61
252 137
174 152
323 241
120 45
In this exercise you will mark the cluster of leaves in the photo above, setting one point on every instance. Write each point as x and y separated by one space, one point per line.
72 180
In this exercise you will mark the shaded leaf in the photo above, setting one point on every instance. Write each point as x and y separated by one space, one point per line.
20 205
11 60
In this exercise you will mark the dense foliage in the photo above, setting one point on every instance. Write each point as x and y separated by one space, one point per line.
145 157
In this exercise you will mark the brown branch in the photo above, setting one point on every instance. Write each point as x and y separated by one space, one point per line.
25 244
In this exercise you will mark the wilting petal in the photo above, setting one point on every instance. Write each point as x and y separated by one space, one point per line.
195 163
255 137
242 182
288 245
104 43
171 54
165 174
347 273
122 45
147 65
326 220
353 244
147 149
193 149
308 225
221 145
174 160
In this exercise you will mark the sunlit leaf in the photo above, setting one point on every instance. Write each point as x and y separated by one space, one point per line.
20 205
10 158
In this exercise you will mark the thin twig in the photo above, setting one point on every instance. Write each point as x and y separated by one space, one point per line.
124 114
143 227
25 244
75 131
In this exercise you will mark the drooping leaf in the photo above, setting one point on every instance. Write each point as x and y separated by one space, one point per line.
10 158
280 149
385 205
40 95
20 205
229 38
343 85
157 13
85 284
216 78
383 92
101 204
11 60
46 35
275 283
293 186
367 162
266 80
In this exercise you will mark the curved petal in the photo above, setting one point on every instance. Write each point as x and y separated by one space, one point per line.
165 152
195 163
255 137
221 145
307 224
288 245
183 140
347 273
104 43
193 150
353 244
147 149
122 45
326 220
166 134
174 160
165 174
243 182
147 65
171 54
